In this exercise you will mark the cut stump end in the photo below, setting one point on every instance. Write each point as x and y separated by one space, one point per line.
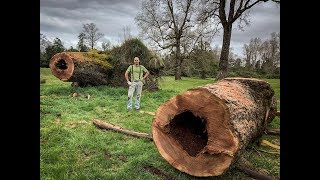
62 66
195 138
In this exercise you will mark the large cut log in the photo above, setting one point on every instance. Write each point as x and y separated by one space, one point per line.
204 130
80 68
93 69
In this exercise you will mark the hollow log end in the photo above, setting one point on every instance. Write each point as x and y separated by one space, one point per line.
62 66
193 134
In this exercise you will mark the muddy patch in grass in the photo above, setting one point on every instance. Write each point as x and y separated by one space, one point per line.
158 172
107 156
122 158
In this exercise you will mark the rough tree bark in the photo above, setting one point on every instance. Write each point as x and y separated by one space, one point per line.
224 56
76 67
204 130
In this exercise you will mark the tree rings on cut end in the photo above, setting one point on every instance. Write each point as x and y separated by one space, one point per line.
192 132
62 66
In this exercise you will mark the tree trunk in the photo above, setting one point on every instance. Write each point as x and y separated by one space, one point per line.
224 56
178 62
204 130
178 72
76 67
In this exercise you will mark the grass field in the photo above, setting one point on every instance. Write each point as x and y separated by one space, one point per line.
71 147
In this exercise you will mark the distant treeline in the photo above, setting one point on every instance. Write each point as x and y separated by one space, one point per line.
261 58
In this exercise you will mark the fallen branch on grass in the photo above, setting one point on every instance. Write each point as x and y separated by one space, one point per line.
270 152
254 174
147 112
246 167
104 125
273 131
267 143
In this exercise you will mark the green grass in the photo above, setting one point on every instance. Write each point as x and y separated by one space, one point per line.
71 147
168 83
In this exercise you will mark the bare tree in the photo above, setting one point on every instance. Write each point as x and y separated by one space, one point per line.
248 54
227 14
106 45
44 42
255 46
270 53
232 58
81 45
237 62
171 25
126 33
252 52
92 34
202 59
275 48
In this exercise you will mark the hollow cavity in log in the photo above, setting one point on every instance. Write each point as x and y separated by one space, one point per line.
190 131
61 64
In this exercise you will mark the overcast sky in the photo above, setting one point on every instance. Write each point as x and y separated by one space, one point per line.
64 19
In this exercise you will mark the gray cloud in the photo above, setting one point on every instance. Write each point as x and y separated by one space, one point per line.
80 4
64 19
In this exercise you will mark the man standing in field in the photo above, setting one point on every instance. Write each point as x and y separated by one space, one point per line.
137 78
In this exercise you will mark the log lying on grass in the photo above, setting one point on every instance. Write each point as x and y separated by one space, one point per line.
77 67
108 126
95 68
204 130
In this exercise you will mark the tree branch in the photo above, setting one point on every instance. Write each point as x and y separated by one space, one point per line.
239 9
185 17
246 167
245 8
161 46
222 13
231 10
208 14
170 5
105 125
273 131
